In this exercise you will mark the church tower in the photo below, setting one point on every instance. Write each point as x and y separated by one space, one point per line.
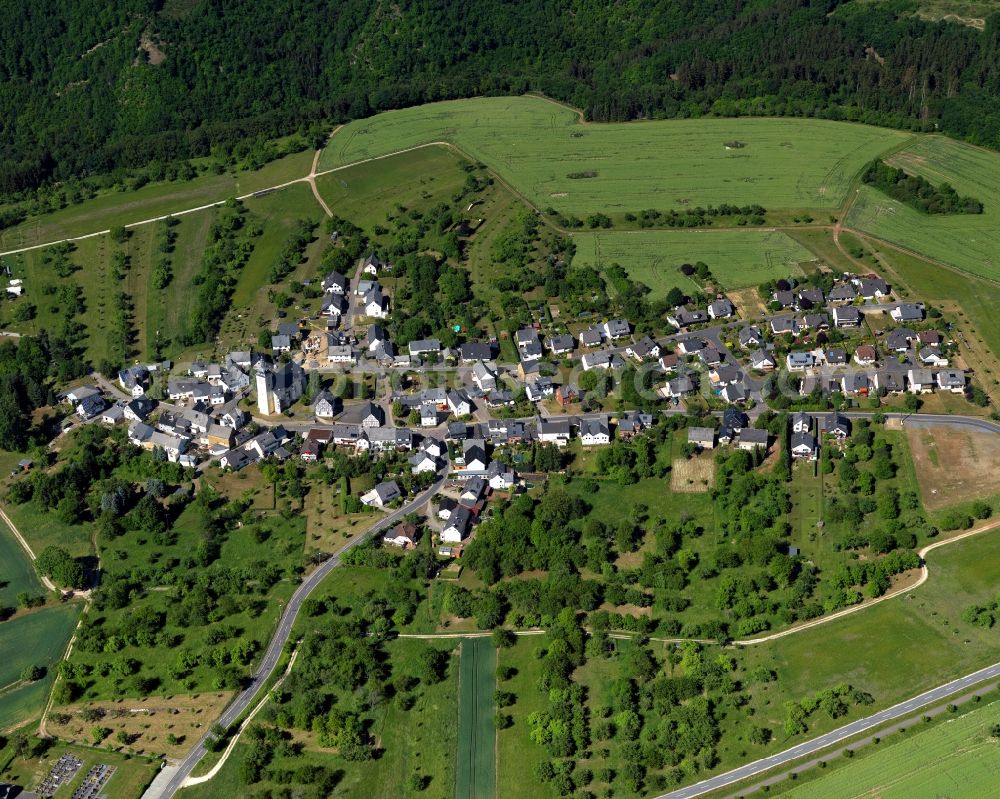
264 400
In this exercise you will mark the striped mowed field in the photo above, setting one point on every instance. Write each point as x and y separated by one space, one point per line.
737 258
475 776
546 153
970 242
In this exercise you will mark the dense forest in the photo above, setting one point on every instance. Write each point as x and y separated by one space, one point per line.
918 192
92 86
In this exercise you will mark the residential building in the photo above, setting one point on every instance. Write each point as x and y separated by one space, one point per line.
921 381
382 495
865 355
702 437
751 438
720 309
403 535
472 351
951 380
907 312
594 431
615 329
803 445
846 316
561 344
555 431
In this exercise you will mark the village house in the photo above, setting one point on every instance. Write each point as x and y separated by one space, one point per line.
762 361
134 379
484 377
593 337
326 406
785 324
846 316
472 351
615 329
561 344
702 437
751 438
424 346
951 380
555 431
335 283
642 349
594 432
720 309
803 445
907 312
382 495
682 318
865 355
458 526
921 381
799 361
403 535
750 336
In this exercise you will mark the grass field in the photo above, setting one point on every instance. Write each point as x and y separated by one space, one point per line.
738 258
18 574
155 199
958 760
970 242
476 769
35 639
41 529
535 145
365 194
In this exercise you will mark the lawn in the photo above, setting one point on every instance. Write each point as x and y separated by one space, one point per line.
970 242
42 529
155 199
957 759
476 768
737 258
34 639
517 754
535 145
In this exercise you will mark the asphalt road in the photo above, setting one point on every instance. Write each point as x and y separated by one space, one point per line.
282 633
896 712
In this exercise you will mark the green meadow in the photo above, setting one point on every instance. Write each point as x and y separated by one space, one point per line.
536 146
957 759
737 258
113 208
970 242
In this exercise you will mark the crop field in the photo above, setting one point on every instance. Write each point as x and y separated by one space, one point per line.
537 145
476 769
18 573
737 259
957 759
35 639
970 242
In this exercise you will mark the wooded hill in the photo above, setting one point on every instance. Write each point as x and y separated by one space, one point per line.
94 85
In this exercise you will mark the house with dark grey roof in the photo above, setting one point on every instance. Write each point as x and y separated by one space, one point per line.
591 337
750 438
472 351
750 336
846 316
899 340
720 309
594 431
561 344
615 329
842 293
803 445
382 495
907 312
